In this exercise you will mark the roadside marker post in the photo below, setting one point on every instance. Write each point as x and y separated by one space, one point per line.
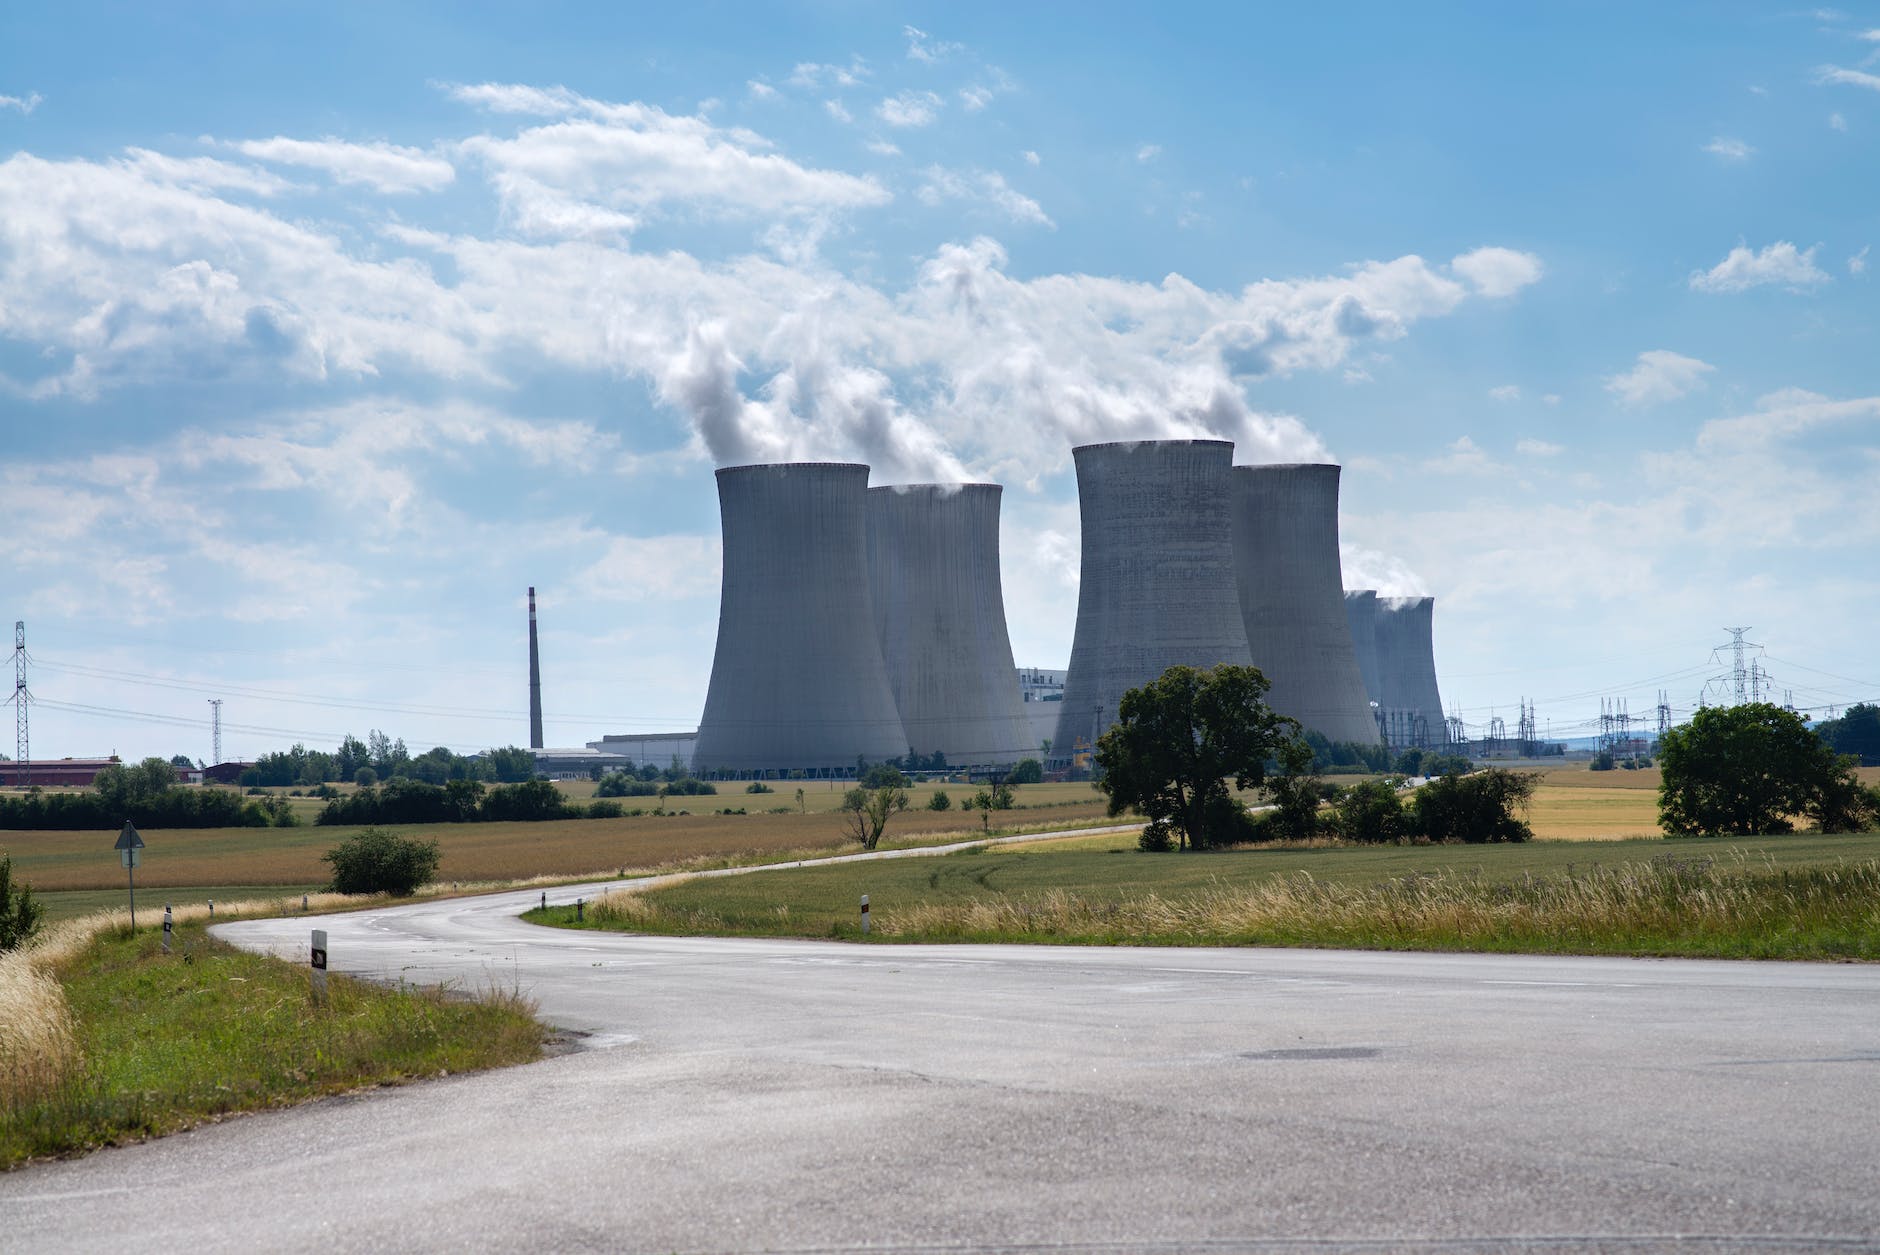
169 928
303 902
211 908
544 899
316 959
578 904
864 915
130 848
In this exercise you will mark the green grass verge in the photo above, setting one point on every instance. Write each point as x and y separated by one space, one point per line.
169 1041
1787 897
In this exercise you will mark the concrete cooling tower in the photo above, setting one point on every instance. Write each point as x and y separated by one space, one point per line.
797 681
1158 575
933 561
1292 597
1406 672
1361 618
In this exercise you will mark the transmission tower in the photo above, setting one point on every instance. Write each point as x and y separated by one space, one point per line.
215 734
22 702
1497 733
1524 729
1664 713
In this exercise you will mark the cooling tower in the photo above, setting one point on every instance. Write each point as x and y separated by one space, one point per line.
797 680
933 562
1361 618
1292 597
1411 706
1158 575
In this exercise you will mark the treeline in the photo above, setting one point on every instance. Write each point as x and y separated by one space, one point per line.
471 801
148 796
1376 758
379 757
1857 733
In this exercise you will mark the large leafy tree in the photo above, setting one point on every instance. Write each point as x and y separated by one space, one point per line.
1857 733
1179 739
1751 769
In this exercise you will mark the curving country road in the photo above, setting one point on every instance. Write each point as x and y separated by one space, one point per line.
781 1095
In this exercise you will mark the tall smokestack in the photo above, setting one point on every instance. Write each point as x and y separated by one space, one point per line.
535 681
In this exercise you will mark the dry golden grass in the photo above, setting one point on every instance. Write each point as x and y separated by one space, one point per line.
476 853
1581 813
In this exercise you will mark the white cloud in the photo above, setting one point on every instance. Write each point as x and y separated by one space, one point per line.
1496 272
384 167
981 185
1837 122
1857 264
1779 263
1848 78
205 173
1538 448
910 108
1464 457
812 76
1552 398
1148 152
923 47
1506 392
836 110
1659 376
882 148
1729 149
760 90
1032 158
25 104
633 568
975 98
607 164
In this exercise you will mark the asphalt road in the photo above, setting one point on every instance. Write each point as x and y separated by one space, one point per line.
773 1095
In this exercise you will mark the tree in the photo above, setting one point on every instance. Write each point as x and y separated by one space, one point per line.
512 764
1477 809
19 913
377 861
184 761
1295 791
1750 769
867 811
1178 740
1857 733
1370 811
1028 771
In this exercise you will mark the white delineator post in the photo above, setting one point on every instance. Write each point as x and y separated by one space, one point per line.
864 915
169 927
317 961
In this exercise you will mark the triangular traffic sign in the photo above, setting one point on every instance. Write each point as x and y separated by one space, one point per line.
128 839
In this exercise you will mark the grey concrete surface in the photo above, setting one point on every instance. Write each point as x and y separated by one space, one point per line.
747 1095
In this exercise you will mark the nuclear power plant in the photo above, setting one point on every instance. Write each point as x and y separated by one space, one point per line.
1158 584
1410 707
1361 618
860 625
798 683
933 567
1292 597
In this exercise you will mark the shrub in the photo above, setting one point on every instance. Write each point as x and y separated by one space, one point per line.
1371 812
687 786
1602 761
620 784
1028 771
939 801
605 809
1475 809
758 786
19 913
365 777
377 861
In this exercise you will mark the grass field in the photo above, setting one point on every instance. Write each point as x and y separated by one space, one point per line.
79 871
1798 897
106 1039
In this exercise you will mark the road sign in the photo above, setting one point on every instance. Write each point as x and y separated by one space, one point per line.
130 847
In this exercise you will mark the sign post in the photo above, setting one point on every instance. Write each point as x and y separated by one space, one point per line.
317 960
169 928
130 848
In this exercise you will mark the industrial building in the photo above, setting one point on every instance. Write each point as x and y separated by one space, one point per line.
1361 619
1158 586
649 749
1410 706
933 566
1292 597
798 683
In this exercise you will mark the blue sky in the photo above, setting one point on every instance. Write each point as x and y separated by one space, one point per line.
324 333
